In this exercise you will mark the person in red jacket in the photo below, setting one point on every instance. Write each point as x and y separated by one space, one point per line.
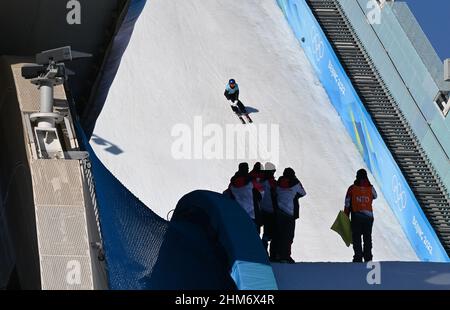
358 204
242 190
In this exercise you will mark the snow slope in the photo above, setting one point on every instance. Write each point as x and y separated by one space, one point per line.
179 59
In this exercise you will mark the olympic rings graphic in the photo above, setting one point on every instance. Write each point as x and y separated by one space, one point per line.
317 45
399 193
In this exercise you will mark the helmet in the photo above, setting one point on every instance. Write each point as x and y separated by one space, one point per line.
232 81
269 167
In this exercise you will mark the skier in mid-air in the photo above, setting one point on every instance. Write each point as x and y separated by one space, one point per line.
232 94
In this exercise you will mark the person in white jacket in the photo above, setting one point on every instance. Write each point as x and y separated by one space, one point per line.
242 190
289 190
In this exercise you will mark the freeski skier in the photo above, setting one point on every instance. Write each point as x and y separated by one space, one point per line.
232 94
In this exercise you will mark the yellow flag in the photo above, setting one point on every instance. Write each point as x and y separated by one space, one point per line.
343 227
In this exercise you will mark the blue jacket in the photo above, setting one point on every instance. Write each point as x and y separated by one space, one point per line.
230 90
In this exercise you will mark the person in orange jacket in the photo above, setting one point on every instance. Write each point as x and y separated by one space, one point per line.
358 205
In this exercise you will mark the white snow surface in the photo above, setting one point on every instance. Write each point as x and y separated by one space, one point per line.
180 57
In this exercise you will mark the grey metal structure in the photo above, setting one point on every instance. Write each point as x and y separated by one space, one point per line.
104 31
50 208
388 117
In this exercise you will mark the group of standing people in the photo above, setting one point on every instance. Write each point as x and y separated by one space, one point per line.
271 204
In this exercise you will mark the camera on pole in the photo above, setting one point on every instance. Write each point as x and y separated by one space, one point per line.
49 71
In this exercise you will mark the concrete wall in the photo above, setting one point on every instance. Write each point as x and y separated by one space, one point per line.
49 207
16 184
371 276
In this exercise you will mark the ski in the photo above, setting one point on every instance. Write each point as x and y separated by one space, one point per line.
248 118
241 118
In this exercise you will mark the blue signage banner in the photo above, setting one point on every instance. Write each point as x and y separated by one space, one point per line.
361 128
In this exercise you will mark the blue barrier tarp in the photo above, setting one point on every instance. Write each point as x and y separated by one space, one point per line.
197 249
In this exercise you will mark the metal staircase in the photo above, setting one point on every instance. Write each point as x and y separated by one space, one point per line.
387 116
